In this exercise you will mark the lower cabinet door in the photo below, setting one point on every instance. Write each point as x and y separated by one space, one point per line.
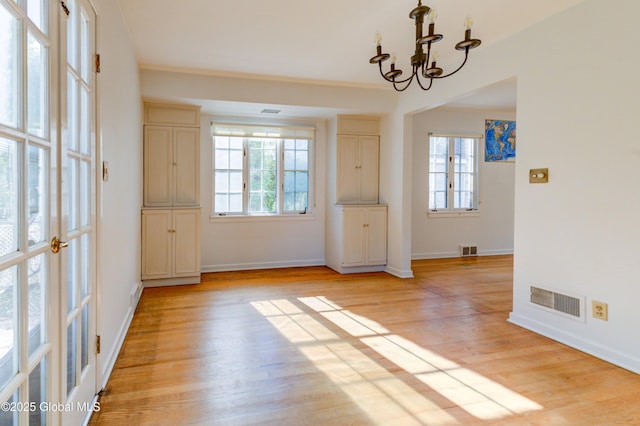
156 244
186 256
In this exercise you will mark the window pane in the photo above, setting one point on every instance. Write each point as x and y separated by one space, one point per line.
85 264
84 338
37 185
9 189
37 302
222 158
262 176
296 175
37 86
8 324
36 10
9 86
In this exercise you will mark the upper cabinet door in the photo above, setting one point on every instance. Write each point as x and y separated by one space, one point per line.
369 155
171 155
158 166
186 169
348 188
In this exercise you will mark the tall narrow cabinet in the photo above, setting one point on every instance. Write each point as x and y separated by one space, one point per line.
171 212
357 224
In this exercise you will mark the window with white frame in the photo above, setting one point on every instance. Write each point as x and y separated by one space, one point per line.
453 173
262 170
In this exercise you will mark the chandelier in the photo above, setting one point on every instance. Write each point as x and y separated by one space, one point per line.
423 63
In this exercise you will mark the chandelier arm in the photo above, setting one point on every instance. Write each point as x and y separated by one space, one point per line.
466 56
393 80
406 80
420 83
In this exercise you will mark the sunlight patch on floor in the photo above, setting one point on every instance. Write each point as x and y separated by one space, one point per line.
379 393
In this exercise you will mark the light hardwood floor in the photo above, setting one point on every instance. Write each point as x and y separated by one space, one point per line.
307 346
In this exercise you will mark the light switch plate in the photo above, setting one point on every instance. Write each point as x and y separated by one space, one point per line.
538 175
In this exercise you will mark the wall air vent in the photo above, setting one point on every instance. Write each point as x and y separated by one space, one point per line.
561 303
468 250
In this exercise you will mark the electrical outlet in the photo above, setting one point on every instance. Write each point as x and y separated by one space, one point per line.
600 310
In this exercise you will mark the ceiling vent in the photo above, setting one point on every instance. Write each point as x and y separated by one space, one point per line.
564 304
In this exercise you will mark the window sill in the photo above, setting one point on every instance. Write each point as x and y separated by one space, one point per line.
450 214
262 218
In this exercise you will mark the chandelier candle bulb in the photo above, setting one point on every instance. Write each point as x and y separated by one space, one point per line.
377 40
468 23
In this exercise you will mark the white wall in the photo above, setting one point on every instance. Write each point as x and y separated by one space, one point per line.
576 115
233 243
580 232
121 197
492 230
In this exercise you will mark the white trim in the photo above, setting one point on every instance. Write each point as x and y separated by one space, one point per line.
624 360
230 218
262 265
441 214
399 272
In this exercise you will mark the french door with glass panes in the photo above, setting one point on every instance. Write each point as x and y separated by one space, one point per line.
47 212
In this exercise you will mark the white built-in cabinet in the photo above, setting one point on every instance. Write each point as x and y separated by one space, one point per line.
171 195
357 180
170 243
357 224
364 230
171 166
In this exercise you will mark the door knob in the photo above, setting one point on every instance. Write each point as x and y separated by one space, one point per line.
56 244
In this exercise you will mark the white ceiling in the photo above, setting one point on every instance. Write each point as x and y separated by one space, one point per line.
321 41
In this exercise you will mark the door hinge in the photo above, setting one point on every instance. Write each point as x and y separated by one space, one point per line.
65 8
98 344
97 62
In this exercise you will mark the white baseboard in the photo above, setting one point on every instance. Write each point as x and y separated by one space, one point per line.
399 272
263 265
109 360
626 361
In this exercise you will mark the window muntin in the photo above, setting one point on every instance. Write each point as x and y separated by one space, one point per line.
453 173
262 170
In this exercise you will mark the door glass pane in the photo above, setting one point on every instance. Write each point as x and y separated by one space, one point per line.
36 10
72 35
38 188
8 324
85 194
9 186
85 114
72 107
38 394
85 263
72 194
85 52
72 275
71 356
84 343
37 302
10 417
8 68
37 86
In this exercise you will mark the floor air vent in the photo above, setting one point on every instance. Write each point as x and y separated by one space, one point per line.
558 302
466 251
